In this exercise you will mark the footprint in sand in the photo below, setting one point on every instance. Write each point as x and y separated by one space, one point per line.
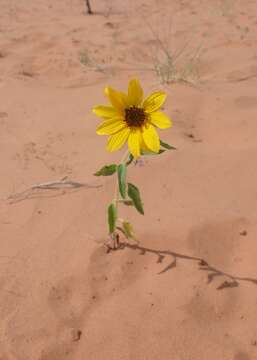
216 243
241 356
246 102
4 357
3 114
65 307
73 299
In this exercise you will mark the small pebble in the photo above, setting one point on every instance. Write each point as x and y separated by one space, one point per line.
109 25
190 135
76 334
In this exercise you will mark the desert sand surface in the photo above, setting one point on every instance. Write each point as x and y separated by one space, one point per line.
189 290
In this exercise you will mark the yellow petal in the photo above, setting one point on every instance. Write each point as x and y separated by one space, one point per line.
134 142
117 98
143 145
154 101
111 126
151 138
116 141
105 111
160 120
135 93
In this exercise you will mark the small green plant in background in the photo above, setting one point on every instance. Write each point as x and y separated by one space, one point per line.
178 65
130 119
170 71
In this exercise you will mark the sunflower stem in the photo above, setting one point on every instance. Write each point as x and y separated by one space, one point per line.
117 198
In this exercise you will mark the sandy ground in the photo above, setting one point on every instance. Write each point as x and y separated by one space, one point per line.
62 296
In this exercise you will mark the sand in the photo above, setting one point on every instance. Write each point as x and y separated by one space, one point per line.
62 295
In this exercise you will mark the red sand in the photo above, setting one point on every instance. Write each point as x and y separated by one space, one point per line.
62 296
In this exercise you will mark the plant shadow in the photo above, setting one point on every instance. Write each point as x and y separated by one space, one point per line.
212 272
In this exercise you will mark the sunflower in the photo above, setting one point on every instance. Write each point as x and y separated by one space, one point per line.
132 119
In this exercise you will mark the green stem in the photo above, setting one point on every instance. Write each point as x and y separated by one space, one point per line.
117 193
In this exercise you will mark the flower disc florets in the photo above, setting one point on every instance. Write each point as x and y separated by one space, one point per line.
135 117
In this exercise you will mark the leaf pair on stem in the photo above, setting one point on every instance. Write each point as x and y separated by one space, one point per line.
127 193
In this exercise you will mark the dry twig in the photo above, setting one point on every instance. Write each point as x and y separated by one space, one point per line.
64 184
229 280
89 9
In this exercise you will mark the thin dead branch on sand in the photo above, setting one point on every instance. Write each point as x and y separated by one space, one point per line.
59 186
89 9
228 280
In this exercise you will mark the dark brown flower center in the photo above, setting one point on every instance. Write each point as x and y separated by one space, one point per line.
135 116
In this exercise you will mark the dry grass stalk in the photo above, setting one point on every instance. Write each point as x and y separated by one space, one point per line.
180 65
36 190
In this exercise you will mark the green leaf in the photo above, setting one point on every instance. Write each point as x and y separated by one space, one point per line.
130 159
167 146
112 218
107 170
122 174
128 230
134 195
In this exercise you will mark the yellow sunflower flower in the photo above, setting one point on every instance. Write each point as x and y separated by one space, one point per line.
132 119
